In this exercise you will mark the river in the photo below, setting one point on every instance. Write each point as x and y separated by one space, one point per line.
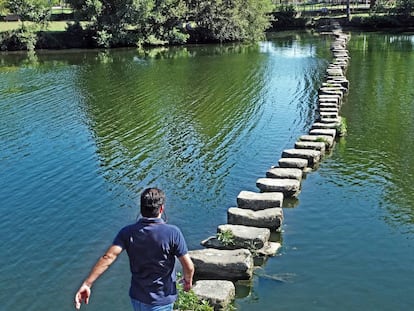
83 132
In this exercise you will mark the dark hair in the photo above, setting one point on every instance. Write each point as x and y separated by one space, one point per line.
151 201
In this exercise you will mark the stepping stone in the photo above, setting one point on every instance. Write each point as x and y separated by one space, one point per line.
330 120
270 218
324 105
328 96
293 163
319 146
218 293
246 236
334 85
259 201
313 156
328 115
327 132
328 140
330 109
325 125
329 91
335 72
331 100
289 187
217 264
281 172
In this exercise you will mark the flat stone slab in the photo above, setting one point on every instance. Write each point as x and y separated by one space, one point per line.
313 145
293 163
330 120
282 172
334 72
332 105
246 236
289 187
329 96
329 109
271 218
326 132
259 201
313 156
325 125
217 264
328 140
335 101
328 115
329 92
218 293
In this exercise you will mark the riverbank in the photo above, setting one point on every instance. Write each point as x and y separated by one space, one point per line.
74 36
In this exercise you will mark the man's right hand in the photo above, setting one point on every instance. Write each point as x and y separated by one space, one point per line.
83 294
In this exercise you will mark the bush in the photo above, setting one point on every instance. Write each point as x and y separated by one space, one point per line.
286 18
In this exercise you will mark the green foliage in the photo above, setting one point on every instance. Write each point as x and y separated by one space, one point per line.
189 301
286 18
34 15
158 22
37 11
226 237
405 7
231 20
342 128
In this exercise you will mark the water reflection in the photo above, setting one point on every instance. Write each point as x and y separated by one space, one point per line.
381 112
174 119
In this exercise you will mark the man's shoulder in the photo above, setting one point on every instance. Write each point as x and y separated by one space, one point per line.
128 228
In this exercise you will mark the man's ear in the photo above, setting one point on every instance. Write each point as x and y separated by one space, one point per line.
161 209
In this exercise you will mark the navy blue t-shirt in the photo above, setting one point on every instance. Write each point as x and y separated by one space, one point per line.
152 246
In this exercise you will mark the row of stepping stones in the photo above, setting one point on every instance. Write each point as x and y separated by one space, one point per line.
229 255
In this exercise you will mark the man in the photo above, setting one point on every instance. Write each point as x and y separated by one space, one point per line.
152 246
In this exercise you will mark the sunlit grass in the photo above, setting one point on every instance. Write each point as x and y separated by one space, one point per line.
52 26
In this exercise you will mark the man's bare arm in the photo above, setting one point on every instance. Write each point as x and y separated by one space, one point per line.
100 267
188 271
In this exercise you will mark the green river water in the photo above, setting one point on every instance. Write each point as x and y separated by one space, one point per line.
83 132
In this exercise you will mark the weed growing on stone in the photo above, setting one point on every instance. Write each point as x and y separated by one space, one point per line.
189 300
226 237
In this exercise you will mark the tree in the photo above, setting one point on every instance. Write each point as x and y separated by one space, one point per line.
34 15
118 22
405 7
231 20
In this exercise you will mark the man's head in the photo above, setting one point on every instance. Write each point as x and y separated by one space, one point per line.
152 200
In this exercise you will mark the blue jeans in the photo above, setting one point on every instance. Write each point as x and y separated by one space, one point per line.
139 306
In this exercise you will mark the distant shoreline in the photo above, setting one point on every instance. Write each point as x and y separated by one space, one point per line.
84 39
